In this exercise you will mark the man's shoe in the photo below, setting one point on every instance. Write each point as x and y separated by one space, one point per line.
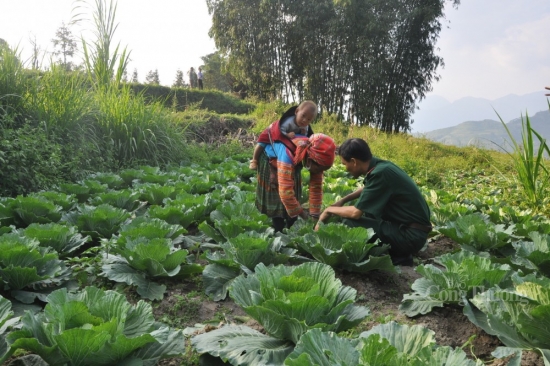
402 261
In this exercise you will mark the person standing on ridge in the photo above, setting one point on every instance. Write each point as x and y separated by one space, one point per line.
199 76
192 78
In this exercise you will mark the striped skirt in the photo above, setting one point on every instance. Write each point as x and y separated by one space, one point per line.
267 195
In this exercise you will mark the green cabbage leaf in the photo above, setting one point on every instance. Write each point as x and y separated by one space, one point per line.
343 247
95 327
464 274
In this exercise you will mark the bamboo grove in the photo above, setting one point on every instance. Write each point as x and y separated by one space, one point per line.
367 61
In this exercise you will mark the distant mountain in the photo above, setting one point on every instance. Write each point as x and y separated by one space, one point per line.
436 112
489 133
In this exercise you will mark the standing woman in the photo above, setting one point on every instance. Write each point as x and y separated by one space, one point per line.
278 196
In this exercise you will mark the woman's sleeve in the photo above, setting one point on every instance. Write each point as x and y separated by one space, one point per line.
315 194
285 178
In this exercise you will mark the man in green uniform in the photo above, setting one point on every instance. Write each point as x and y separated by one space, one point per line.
390 202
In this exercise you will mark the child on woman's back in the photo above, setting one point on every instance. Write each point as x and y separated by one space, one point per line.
290 127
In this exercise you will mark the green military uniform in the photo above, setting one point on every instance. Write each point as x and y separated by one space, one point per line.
391 202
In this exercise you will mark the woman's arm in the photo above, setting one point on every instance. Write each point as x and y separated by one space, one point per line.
315 194
285 178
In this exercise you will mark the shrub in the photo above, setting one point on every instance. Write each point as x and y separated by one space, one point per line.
30 161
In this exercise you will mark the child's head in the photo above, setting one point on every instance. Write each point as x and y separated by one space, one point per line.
306 113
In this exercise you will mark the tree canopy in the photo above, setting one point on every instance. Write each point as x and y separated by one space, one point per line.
368 61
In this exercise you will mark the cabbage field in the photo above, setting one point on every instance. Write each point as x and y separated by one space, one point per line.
177 267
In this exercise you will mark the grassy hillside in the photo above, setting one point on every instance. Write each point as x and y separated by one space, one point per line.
426 160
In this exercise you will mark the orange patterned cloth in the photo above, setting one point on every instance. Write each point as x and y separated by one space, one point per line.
321 149
285 176
318 147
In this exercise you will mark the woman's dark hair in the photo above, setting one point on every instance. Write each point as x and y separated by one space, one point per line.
355 148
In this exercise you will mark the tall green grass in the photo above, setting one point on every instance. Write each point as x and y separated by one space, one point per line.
12 83
59 98
529 163
138 132
105 66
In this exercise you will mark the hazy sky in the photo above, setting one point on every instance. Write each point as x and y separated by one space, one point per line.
492 48
163 34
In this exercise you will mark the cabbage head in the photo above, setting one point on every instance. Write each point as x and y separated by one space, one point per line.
287 300
95 327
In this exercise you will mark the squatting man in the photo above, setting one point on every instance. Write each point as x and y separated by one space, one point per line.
390 203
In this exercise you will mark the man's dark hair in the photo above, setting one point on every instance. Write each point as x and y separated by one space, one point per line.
355 148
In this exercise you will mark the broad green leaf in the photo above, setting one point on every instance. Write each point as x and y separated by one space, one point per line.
323 349
464 273
217 278
80 345
502 352
411 340
169 344
240 345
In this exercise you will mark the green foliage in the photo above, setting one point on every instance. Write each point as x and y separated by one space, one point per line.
535 254
343 247
98 222
477 234
64 45
386 344
25 266
530 165
151 228
519 317
136 261
232 218
60 99
126 199
113 181
241 253
152 77
30 160
216 75
136 131
104 66
12 83
95 327
6 321
66 201
29 210
287 301
465 274
63 239
241 345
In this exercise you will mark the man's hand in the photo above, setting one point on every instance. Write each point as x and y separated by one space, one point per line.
547 88
291 135
324 217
